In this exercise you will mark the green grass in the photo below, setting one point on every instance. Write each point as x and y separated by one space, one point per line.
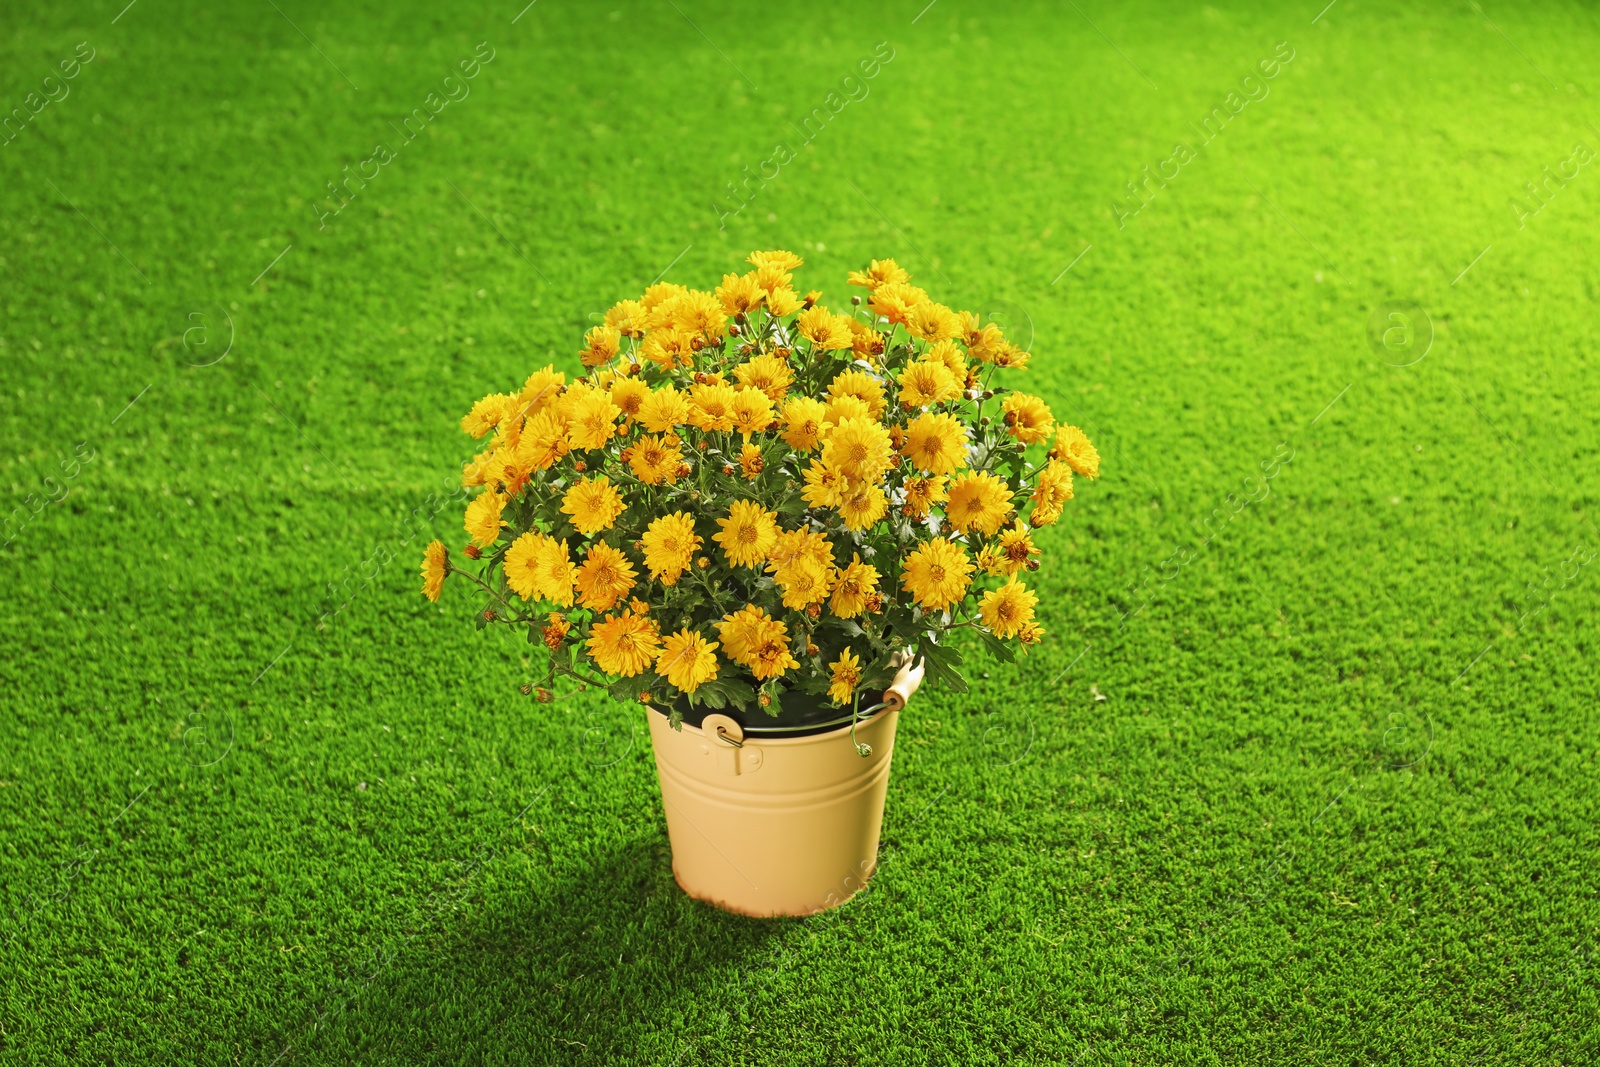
1329 797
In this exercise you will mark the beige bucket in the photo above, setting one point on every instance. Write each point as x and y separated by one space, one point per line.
776 826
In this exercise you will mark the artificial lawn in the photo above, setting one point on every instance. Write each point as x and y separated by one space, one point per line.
1316 786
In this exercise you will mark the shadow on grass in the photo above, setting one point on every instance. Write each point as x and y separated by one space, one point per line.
609 964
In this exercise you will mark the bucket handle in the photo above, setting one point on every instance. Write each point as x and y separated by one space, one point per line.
905 684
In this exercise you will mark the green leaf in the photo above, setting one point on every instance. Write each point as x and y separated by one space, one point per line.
719 692
998 647
941 662
628 689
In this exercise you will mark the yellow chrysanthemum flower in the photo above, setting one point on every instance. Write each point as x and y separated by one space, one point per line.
628 317
1031 634
629 395
978 501
947 353
1051 493
987 342
791 546
658 294
593 503
859 449
668 347
522 564
435 563
758 642
594 420
767 373
803 582
486 414
740 293
844 677
483 520
931 321
664 409
845 406
544 440
625 644
748 534
1016 549
751 461
696 313
1011 356
824 486
882 272
669 547
654 461
605 577
777 257
711 406
802 420
1008 609
854 586
922 493
742 631
862 386
927 382
751 410
865 342
542 389
1027 418
936 443
937 574
771 278
600 345
556 574
863 506
895 301
686 660
1074 449
478 469
783 302
825 330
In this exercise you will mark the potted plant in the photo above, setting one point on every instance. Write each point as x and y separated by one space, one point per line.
753 515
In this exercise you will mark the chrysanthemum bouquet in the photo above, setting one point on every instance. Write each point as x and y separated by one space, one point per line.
749 495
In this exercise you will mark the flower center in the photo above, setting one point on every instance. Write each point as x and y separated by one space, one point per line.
936 573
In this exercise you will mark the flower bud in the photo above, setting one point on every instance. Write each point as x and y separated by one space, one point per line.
766 700
473 552
525 688
734 331
543 695
855 301
488 615
580 466
644 697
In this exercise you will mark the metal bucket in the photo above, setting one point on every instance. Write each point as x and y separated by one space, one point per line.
776 826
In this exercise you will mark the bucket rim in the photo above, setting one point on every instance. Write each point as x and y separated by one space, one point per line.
755 736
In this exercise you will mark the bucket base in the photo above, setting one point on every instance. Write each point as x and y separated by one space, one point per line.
727 905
